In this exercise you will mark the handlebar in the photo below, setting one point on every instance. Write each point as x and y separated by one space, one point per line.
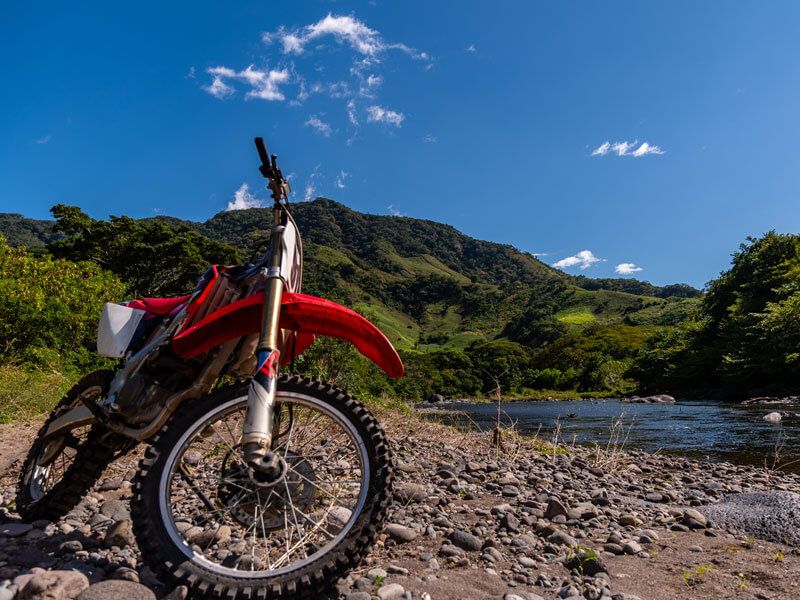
262 151
269 169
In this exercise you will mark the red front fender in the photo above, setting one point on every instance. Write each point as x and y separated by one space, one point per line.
304 314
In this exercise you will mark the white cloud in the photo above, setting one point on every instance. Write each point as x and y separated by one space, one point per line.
346 30
44 140
303 71
646 148
471 49
429 139
394 211
310 190
341 179
584 259
321 126
263 84
379 114
627 269
626 149
352 116
242 199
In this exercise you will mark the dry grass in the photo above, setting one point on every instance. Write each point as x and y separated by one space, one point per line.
612 455
776 461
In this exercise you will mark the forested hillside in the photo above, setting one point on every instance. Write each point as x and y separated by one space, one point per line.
466 314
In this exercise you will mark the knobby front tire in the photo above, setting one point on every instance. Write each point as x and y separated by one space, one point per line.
196 513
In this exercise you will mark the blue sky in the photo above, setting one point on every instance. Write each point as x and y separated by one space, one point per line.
523 123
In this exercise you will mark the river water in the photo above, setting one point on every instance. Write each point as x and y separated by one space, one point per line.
698 429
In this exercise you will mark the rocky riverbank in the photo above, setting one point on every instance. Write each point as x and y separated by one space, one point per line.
469 520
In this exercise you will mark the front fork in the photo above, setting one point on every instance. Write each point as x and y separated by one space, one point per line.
257 431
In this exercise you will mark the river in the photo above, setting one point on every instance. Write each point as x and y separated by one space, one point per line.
698 429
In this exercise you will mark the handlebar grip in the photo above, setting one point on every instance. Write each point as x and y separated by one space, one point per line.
262 151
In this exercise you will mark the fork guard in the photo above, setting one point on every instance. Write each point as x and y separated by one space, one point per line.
308 316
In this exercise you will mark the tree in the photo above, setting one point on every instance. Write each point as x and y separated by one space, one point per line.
151 256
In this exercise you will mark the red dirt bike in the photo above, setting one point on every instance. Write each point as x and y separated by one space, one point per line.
268 487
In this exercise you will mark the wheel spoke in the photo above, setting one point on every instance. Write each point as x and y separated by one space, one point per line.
273 525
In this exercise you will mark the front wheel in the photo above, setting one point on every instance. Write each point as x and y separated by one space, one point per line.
202 519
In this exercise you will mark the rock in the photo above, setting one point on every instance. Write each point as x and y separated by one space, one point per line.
435 398
694 519
355 596
374 574
54 585
192 458
773 417
15 529
120 534
554 508
509 522
179 593
631 547
337 517
410 492
465 540
562 539
613 548
629 520
588 563
401 533
208 537
116 510
771 515
110 485
117 589
7 590
661 399
391 591
695 548
527 562
127 574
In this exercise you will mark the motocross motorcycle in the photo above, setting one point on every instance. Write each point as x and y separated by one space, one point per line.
253 484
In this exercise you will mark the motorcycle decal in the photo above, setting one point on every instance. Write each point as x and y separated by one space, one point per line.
268 363
300 313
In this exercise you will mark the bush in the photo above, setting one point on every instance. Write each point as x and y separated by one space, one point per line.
49 309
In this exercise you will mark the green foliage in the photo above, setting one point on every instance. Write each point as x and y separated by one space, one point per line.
466 314
152 257
21 231
746 339
641 288
49 308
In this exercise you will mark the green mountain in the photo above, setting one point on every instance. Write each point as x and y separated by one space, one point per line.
426 284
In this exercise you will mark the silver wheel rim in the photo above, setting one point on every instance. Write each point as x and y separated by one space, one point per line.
45 476
256 535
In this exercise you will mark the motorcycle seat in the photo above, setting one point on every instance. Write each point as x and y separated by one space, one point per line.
159 306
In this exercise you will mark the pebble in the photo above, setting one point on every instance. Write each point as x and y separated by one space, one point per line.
15 529
401 533
391 591
465 540
117 589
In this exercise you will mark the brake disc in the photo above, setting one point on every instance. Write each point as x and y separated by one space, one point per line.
244 500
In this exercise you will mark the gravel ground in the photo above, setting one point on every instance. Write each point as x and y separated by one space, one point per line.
472 521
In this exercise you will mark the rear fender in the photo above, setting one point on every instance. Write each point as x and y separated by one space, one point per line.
305 315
